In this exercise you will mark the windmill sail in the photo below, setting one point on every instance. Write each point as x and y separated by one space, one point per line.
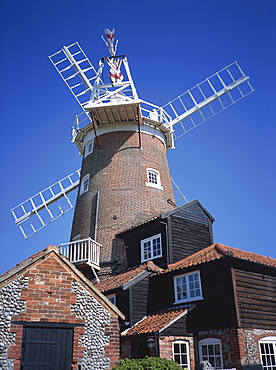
208 98
46 206
76 71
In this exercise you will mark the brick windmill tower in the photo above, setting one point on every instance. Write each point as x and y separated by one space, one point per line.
124 179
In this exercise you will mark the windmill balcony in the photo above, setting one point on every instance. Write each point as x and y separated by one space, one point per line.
82 252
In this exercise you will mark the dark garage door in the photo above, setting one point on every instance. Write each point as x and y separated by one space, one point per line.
46 348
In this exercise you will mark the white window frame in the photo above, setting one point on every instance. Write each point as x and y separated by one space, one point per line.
267 347
153 179
180 363
149 244
84 184
88 148
191 287
210 342
112 298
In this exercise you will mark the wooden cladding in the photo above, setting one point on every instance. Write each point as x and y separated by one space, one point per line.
256 294
188 237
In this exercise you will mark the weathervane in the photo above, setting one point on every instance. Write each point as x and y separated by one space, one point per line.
110 41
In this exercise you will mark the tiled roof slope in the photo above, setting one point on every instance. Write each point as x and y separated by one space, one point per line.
217 251
119 280
157 321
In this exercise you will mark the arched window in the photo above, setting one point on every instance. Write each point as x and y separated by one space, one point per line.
153 178
181 353
210 350
268 352
84 184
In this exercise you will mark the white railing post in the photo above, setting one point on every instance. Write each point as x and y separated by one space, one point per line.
85 251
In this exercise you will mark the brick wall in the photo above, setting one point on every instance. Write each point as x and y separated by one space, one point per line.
239 346
166 348
118 168
50 293
126 348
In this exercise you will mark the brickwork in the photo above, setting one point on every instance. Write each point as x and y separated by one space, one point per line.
118 168
126 348
239 346
112 331
48 292
166 348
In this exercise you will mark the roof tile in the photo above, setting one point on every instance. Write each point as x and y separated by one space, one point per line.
217 251
157 321
118 280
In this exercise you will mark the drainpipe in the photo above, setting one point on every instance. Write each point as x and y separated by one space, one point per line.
97 213
156 336
167 242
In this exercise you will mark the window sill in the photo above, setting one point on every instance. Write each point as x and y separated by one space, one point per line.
189 300
156 186
152 258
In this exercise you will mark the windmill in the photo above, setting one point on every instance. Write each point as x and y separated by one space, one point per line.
125 178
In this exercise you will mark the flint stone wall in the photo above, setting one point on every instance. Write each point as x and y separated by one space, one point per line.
10 305
94 339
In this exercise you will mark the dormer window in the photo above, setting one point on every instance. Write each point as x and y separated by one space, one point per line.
187 287
84 184
153 178
151 248
88 148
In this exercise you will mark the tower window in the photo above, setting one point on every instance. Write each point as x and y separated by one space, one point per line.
88 148
151 248
153 178
84 184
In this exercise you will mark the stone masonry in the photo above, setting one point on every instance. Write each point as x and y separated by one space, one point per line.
51 291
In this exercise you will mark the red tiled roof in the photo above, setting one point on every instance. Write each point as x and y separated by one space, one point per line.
217 251
157 321
117 281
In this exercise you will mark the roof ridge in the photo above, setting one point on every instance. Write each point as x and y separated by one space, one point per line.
222 250
192 256
23 264
248 252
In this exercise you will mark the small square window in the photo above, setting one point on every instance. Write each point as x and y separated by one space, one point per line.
112 298
153 178
151 248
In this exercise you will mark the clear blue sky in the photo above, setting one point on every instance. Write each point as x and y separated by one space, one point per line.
228 163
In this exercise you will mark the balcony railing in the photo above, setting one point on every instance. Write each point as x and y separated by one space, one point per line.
82 252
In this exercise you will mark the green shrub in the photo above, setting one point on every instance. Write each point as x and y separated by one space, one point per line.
147 363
